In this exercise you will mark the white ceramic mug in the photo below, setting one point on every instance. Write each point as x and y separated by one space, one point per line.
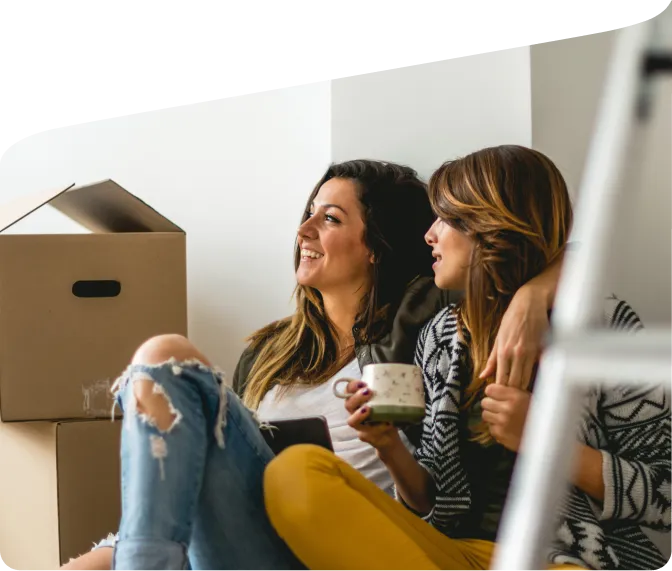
398 392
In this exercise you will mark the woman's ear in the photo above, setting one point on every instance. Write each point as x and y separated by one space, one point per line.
372 258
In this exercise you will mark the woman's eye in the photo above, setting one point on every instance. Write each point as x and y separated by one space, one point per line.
454 223
327 217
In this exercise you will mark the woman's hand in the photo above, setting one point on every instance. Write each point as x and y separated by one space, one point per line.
383 436
521 334
519 341
505 410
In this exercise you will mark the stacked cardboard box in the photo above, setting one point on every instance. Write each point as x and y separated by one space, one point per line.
73 309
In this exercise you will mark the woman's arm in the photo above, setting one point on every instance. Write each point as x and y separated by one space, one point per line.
414 484
440 450
545 285
520 338
636 466
433 481
587 474
412 481
636 420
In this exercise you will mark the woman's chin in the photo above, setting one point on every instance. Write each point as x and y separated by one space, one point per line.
305 279
442 282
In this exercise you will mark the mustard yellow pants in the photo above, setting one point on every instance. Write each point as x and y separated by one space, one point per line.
332 517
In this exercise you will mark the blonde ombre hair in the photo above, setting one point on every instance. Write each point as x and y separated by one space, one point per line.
513 202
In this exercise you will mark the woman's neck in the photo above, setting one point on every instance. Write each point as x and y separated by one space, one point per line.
342 311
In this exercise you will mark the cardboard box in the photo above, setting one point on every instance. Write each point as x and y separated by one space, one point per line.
59 490
75 307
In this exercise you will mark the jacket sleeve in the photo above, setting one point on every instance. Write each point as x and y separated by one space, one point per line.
636 467
439 450
242 370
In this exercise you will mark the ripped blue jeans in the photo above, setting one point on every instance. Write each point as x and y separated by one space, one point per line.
192 494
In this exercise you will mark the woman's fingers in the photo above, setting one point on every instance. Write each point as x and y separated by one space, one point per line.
358 416
491 405
503 367
491 364
374 434
516 373
358 399
527 373
353 386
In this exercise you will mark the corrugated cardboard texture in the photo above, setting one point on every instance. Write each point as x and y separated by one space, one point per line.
59 490
60 353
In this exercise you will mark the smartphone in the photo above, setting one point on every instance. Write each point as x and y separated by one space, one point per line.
280 434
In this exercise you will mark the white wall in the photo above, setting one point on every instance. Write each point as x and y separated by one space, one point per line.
426 114
567 78
234 174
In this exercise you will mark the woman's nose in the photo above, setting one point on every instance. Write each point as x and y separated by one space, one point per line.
307 229
430 236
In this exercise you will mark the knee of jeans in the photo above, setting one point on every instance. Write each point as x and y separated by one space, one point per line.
163 348
293 481
149 399
152 404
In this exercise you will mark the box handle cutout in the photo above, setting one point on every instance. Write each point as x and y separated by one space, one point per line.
96 288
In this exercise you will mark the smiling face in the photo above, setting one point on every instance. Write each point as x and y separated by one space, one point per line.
334 257
453 250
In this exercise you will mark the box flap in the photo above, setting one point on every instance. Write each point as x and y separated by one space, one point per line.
107 207
18 209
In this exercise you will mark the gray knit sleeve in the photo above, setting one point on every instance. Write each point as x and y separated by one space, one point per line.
636 421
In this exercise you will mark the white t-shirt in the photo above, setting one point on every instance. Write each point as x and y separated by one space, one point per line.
300 401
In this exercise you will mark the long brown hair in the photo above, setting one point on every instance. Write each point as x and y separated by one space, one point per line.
513 202
303 348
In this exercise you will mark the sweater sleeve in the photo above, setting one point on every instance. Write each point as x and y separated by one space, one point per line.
636 418
439 450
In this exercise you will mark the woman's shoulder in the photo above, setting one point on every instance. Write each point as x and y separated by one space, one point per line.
447 315
442 328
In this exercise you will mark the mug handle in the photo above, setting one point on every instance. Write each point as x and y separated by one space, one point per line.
336 392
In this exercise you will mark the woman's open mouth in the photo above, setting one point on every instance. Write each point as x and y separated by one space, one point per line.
310 255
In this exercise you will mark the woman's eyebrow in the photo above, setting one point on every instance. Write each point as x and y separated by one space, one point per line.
332 206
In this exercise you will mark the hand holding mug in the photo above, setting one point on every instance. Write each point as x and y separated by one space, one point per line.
383 436
397 392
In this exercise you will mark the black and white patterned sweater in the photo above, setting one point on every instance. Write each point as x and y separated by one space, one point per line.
629 425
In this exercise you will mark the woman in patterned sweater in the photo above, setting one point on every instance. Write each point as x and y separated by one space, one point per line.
503 216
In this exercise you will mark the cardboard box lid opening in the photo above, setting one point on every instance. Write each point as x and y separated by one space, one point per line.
103 208
75 307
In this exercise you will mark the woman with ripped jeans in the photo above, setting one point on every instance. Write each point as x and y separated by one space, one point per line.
193 456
